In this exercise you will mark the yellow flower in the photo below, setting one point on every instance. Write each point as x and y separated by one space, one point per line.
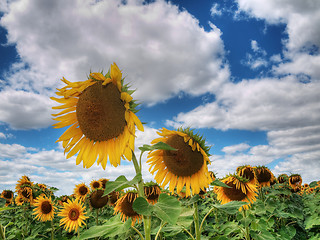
19 200
185 166
101 116
44 210
264 176
247 172
23 181
152 193
81 191
26 194
73 215
124 206
295 180
7 194
241 190
95 184
283 178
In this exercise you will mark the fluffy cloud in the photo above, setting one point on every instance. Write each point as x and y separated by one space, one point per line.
160 49
25 110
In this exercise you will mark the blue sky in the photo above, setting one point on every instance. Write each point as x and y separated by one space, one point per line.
243 73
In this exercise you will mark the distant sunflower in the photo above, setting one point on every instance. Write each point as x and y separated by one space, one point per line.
63 199
283 178
95 184
45 209
264 176
42 186
81 191
101 116
185 166
73 215
212 175
8 202
96 200
7 194
124 206
152 193
247 172
113 197
241 190
295 180
19 200
26 193
103 182
23 181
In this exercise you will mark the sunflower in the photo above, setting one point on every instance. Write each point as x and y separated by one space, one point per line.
26 193
212 175
23 181
73 215
96 200
81 191
103 182
101 115
247 172
44 210
95 184
124 206
283 178
185 166
240 190
264 176
19 200
63 199
42 186
8 202
7 194
152 192
295 180
113 197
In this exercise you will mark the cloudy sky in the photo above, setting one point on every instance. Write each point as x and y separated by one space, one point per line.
245 74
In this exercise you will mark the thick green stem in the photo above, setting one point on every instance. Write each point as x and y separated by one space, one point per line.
52 230
146 219
2 232
247 231
196 221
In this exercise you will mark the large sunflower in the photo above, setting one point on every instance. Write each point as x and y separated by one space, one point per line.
185 166
124 206
264 176
81 191
73 215
240 190
44 210
247 172
101 116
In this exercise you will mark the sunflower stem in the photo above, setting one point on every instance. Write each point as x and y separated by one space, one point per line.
246 232
52 230
97 216
202 222
2 232
146 219
158 233
196 221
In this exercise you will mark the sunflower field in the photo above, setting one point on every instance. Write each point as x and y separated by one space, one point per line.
185 201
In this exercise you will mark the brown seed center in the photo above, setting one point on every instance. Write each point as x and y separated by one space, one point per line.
247 173
96 185
233 193
96 199
26 193
126 205
74 214
8 194
263 176
83 190
184 161
46 207
101 112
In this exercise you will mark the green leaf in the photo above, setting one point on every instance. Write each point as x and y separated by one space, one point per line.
114 226
230 207
167 208
121 183
218 183
158 145
141 206
194 199
6 208
312 221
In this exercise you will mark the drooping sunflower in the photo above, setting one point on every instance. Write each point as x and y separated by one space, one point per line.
264 176
241 190
42 186
113 197
247 172
212 175
124 206
19 200
7 194
185 166
152 192
24 181
81 191
63 199
283 178
95 184
101 115
45 208
295 180
72 214
96 200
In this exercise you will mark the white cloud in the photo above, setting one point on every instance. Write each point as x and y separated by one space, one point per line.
161 50
215 10
25 110
235 148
